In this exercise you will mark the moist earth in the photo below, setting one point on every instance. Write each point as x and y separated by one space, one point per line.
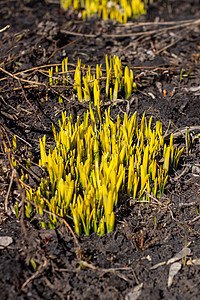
163 49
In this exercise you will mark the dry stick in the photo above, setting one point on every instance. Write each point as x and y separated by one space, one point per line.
73 234
32 69
59 49
1 133
91 266
15 175
150 32
29 171
9 116
19 88
157 32
155 23
38 68
65 98
17 78
25 87
166 132
195 219
121 276
181 224
181 131
8 192
17 136
161 67
179 39
25 95
187 168
39 271
6 27
8 104
170 45
153 31
184 205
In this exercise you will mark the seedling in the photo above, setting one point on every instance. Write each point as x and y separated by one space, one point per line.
120 10
188 141
93 163
118 81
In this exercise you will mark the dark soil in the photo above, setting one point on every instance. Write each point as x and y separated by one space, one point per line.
166 67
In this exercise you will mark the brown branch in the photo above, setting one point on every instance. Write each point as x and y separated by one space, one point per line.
146 33
39 271
15 175
155 23
25 95
17 78
8 192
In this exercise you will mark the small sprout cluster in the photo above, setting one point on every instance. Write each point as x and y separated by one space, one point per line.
93 163
119 10
88 83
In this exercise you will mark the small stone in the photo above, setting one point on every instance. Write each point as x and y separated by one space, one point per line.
174 269
5 241
135 294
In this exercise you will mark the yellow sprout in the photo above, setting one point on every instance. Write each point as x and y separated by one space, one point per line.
120 10
88 83
93 163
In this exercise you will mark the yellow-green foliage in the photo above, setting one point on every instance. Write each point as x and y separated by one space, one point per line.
93 163
88 83
119 10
